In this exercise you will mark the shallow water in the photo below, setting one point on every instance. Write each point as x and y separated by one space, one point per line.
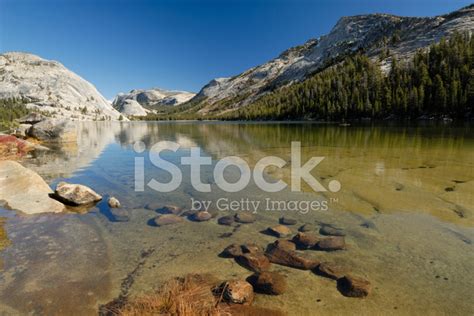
406 203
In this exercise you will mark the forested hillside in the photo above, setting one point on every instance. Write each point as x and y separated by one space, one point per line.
436 82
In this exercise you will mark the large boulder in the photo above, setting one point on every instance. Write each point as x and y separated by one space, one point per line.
24 190
76 194
53 130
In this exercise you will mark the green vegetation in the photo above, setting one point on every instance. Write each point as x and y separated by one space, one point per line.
436 82
11 109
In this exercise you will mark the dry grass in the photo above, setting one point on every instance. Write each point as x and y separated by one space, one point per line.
4 241
190 295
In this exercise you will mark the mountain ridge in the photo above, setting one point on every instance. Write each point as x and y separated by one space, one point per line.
139 102
375 34
48 86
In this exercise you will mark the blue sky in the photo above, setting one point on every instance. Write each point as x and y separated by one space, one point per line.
122 45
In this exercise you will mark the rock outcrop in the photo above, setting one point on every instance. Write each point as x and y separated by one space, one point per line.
50 87
131 108
24 190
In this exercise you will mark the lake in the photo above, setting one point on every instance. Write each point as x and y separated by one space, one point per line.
406 204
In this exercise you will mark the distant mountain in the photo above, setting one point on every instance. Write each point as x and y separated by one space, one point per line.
141 102
50 87
381 37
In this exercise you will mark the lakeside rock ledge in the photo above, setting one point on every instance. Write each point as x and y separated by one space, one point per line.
24 190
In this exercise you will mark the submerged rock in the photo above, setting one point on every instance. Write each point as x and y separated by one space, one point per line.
114 203
287 221
153 206
268 282
279 231
332 243
167 219
251 248
24 190
170 209
188 213
245 217
232 251
120 215
226 220
306 240
201 216
289 258
256 262
330 270
331 231
285 245
307 228
352 286
76 194
238 292
54 130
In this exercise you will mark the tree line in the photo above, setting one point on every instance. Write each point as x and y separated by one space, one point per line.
435 82
11 109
